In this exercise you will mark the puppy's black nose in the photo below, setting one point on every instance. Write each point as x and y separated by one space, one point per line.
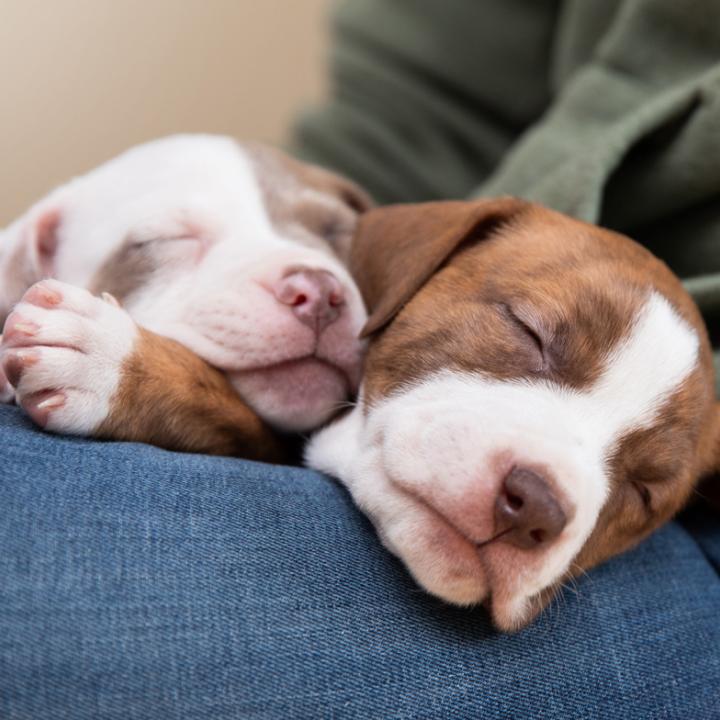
527 506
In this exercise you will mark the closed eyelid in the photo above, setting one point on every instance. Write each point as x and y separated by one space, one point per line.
518 320
140 239
526 322
169 229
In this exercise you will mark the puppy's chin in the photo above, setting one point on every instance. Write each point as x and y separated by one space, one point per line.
293 396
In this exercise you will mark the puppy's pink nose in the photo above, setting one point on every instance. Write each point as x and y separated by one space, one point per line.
315 296
528 510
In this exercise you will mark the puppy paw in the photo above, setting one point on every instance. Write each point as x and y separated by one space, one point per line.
62 351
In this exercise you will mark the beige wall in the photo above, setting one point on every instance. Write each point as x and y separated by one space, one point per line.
81 80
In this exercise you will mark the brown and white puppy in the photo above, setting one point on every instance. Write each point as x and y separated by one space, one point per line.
232 251
538 396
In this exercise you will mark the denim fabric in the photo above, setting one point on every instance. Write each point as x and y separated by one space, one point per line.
137 583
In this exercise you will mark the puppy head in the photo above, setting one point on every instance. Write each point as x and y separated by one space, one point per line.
538 397
236 251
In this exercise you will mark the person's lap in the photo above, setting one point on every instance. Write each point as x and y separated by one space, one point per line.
137 583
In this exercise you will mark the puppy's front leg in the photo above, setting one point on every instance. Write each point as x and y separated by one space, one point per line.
80 365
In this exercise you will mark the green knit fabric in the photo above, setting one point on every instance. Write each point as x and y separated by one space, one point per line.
608 110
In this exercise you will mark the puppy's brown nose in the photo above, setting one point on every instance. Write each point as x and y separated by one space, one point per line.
315 296
526 505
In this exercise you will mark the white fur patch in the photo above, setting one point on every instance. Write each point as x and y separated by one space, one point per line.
644 370
446 443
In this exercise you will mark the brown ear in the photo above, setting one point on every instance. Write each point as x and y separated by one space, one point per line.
346 190
354 198
283 178
396 249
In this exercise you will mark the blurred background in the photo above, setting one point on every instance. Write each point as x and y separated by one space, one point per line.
81 80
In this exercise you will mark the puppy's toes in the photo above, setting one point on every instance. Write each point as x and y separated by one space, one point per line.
41 405
63 353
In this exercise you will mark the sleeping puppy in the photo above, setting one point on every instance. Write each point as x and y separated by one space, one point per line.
225 252
538 396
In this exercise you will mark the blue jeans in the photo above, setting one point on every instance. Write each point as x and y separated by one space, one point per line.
138 583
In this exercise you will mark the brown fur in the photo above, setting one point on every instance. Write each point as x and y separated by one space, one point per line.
400 248
171 398
450 285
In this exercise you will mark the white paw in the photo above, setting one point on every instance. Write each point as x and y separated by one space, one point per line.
63 350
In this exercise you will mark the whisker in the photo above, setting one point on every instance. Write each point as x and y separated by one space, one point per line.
582 571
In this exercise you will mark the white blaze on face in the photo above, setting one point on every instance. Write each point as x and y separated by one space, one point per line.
446 442
645 369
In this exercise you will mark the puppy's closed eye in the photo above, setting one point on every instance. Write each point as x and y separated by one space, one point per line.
141 240
531 337
159 252
330 221
161 247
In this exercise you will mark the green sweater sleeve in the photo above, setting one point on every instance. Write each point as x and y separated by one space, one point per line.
428 96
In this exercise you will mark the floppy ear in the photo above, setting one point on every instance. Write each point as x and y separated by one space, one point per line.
346 190
335 221
339 233
396 249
